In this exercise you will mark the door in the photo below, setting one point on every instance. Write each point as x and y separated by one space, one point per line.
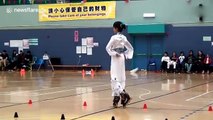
140 51
145 48
156 49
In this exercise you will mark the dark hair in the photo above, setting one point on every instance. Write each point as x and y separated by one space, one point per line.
191 51
119 25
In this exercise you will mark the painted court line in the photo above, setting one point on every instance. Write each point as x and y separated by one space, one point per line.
48 99
49 93
192 98
147 93
8 93
156 102
170 104
139 101
195 111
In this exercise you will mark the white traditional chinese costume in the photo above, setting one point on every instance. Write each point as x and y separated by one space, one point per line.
119 49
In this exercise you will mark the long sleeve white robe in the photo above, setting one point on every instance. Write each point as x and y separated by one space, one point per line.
117 68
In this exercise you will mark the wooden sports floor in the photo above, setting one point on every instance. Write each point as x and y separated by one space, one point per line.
167 96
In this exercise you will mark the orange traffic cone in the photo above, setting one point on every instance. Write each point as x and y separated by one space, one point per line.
85 104
144 106
92 72
210 108
83 73
22 72
30 102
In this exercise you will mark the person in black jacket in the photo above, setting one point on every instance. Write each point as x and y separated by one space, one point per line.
14 56
28 59
20 59
13 64
199 62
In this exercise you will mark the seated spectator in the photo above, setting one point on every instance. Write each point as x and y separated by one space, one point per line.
164 62
20 60
13 64
1 61
181 62
207 62
189 62
199 62
14 56
28 58
5 58
46 59
173 61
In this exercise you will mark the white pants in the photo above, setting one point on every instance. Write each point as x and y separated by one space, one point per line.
117 69
171 63
118 75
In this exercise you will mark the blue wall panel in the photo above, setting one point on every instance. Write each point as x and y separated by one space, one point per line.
60 43
186 38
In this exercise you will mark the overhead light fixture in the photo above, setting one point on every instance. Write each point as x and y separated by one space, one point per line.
148 15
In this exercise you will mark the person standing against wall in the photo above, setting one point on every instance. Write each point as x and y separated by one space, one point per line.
119 49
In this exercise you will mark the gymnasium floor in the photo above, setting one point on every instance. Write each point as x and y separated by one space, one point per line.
171 96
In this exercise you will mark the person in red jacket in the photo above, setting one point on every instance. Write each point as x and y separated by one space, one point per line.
207 63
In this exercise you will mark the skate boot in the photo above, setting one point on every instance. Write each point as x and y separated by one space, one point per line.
125 99
115 101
